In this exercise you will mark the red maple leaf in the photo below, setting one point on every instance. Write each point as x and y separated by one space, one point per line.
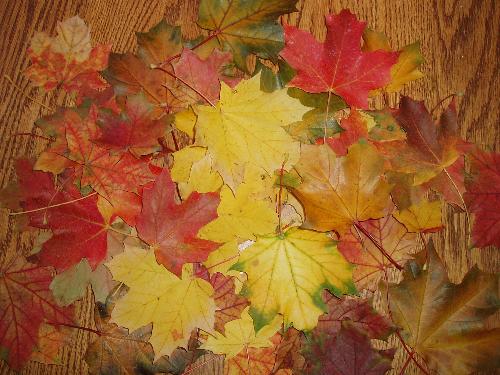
78 228
338 65
204 75
483 197
359 312
25 303
171 228
136 129
354 128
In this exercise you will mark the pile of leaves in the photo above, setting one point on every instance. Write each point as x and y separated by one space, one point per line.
236 198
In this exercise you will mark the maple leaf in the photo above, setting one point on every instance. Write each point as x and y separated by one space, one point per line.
430 148
422 217
67 59
174 306
288 352
409 60
71 285
483 197
241 215
338 65
338 192
161 42
229 304
193 171
359 248
348 352
354 128
246 27
245 127
287 274
359 312
444 322
204 75
78 229
136 129
130 75
50 342
171 229
240 334
385 127
25 303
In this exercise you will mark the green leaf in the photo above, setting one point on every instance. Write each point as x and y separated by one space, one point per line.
246 26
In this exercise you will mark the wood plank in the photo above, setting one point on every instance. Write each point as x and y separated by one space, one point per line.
459 40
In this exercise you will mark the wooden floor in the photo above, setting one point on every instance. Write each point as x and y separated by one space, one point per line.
459 40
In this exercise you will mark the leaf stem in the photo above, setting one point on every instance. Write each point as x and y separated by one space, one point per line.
377 245
52 206
33 135
442 101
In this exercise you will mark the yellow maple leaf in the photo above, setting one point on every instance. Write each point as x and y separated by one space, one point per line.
192 170
245 127
242 215
174 306
337 192
240 334
424 216
287 274
185 121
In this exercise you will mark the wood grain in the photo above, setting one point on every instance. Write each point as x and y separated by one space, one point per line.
459 40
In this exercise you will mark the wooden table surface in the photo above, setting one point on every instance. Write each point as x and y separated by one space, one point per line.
459 41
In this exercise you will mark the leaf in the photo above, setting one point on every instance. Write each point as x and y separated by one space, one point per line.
161 42
51 340
174 306
67 59
358 312
313 123
354 128
129 75
483 198
193 171
204 75
246 27
337 192
78 229
245 127
445 322
136 129
288 352
409 60
241 216
371 264
287 274
348 352
71 285
229 304
423 217
185 121
385 128
25 303
338 65
171 229
240 334
430 148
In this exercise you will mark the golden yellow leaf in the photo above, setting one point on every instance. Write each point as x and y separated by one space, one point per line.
174 306
241 216
424 216
192 170
339 191
245 127
287 274
240 334
185 121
